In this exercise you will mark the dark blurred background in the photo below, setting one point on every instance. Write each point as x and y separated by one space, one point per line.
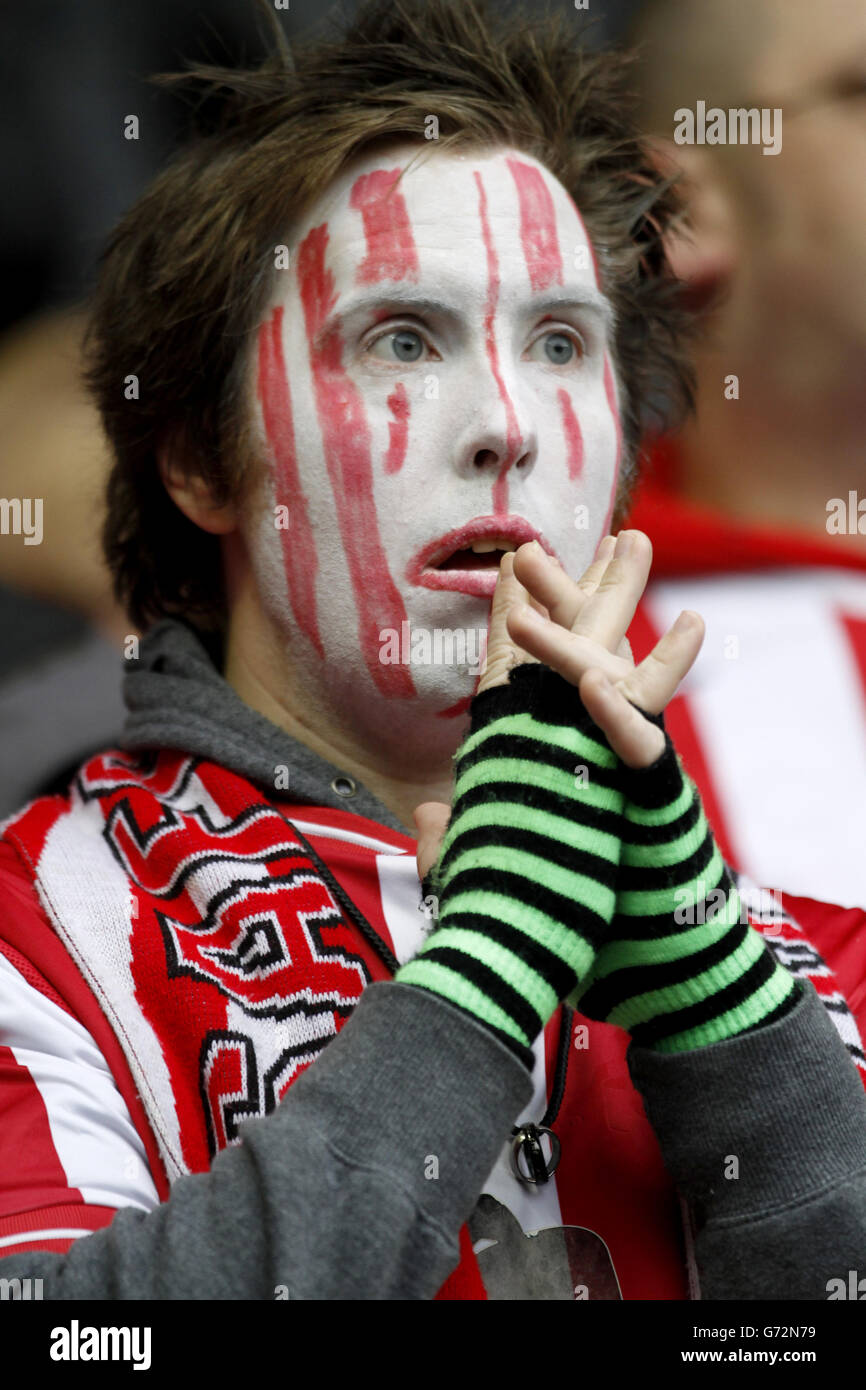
69 74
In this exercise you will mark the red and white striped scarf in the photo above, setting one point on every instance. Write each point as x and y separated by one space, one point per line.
225 956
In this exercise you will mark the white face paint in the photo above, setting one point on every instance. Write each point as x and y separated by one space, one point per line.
437 352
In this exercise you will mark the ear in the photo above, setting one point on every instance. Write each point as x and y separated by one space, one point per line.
702 249
194 497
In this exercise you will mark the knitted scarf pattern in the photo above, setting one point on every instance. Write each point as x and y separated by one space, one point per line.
216 949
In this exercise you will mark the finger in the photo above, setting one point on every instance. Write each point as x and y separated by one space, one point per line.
502 651
546 580
431 820
653 683
634 740
571 655
608 612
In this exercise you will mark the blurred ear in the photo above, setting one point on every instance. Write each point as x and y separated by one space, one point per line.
702 249
193 496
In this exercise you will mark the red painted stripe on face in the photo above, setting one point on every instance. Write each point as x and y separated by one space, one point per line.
512 435
452 712
537 226
391 253
610 392
346 441
398 429
298 541
573 436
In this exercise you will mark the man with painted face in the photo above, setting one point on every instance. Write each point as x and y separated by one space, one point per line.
394 318
422 412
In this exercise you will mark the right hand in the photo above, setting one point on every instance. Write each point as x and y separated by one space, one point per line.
584 640
578 629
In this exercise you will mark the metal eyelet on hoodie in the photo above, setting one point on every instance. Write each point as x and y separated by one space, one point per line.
344 786
527 1142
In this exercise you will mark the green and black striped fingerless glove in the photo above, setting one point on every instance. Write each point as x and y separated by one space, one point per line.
682 968
526 875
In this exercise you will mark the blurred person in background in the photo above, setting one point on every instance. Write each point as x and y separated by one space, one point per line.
753 508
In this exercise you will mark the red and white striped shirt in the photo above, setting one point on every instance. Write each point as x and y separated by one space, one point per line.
771 721
78 1142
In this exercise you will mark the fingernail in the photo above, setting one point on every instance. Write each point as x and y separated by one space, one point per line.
624 543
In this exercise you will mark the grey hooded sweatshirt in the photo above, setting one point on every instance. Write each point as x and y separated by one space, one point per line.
327 1197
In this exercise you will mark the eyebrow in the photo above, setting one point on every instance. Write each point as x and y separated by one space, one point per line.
593 300
402 297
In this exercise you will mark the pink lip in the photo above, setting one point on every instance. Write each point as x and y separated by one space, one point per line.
421 571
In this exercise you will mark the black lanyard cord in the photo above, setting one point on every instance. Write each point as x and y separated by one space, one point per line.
352 911
561 1071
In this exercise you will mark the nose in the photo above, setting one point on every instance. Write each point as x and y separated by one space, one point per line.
501 436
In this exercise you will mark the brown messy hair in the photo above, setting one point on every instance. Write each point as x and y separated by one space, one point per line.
187 273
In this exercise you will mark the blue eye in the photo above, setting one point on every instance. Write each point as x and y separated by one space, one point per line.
408 346
402 343
559 348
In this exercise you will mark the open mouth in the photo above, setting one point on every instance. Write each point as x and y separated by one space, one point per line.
483 555
467 559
